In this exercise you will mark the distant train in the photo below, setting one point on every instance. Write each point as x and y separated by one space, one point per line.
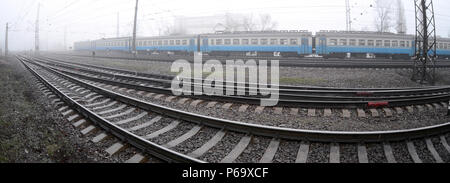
329 44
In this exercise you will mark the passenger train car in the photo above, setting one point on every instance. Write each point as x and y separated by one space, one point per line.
340 44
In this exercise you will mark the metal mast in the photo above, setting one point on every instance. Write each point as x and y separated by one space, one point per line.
425 43
6 41
134 29
348 17
36 41
118 35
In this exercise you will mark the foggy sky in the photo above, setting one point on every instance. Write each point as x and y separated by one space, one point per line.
94 19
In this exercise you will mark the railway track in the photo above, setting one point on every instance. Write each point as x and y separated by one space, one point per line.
290 96
295 62
178 136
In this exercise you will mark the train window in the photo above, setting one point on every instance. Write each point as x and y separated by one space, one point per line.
402 43
333 42
172 42
264 41
236 41
294 41
227 41
145 43
273 41
245 41
352 42
370 43
184 42
166 42
407 44
362 42
212 41
218 41
445 46
160 42
387 43
177 42
343 42
394 43
379 43
441 45
254 41
155 43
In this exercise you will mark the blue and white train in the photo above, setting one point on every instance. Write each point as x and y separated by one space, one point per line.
274 43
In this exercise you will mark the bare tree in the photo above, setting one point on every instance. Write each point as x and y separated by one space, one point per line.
230 23
248 23
383 15
267 23
401 20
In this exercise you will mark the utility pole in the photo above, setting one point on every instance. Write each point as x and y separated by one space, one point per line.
134 29
118 34
65 38
348 15
6 41
36 41
425 43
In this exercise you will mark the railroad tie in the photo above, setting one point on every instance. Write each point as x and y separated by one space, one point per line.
433 151
374 113
413 153
294 111
327 112
444 143
345 113
237 150
183 100
420 108
169 99
259 109
159 96
387 112
88 130
410 109
227 106
149 94
334 153
115 148
278 110
362 154
146 124
211 104
100 137
162 131
311 112
137 158
302 154
208 145
184 137
389 153
243 108
429 107
79 123
141 93
436 105
399 110
361 113
270 151
196 102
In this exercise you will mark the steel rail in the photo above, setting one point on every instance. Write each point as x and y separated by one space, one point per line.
138 142
268 131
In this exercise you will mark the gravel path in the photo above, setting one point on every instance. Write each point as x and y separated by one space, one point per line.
348 153
401 153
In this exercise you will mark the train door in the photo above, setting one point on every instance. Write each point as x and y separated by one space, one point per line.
205 45
192 45
322 47
304 46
